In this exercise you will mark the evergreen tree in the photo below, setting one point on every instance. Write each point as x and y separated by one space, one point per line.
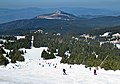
2 51
3 60
47 55
16 56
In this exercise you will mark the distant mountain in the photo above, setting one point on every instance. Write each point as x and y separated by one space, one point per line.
47 25
59 21
90 16
90 11
59 15
7 15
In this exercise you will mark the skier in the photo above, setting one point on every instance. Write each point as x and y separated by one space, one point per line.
42 65
64 72
90 68
39 63
95 73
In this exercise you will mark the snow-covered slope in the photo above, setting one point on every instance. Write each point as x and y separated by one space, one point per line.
35 70
60 15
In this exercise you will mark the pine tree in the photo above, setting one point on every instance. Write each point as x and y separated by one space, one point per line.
3 60
16 56
47 55
2 51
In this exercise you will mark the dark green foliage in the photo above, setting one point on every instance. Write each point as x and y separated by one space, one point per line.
16 56
21 43
47 55
82 51
2 51
99 31
22 52
64 60
13 60
7 55
3 60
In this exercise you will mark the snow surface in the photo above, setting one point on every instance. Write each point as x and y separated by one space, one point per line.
116 35
20 37
105 34
35 70
118 46
3 40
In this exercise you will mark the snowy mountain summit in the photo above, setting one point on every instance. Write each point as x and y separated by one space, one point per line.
60 15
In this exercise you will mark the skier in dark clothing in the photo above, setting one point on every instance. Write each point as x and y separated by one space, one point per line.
42 65
64 72
90 68
95 73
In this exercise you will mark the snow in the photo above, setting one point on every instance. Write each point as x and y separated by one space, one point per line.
105 34
118 46
39 31
11 41
6 50
67 53
1 45
58 34
58 12
57 15
20 37
116 35
95 54
77 39
32 72
88 36
3 40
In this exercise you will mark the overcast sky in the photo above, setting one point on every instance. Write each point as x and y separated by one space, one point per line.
107 4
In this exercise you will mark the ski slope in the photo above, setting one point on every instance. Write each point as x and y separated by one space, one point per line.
35 70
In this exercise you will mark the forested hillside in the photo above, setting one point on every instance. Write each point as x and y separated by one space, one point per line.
99 31
73 48
77 50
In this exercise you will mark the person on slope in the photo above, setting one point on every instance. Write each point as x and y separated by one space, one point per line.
95 73
64 72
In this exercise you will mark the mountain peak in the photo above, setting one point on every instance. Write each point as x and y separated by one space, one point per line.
57 15
58 12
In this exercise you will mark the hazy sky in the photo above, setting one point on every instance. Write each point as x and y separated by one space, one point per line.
107 4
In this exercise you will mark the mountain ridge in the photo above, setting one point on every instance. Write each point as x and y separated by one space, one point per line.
58 23
60 15
7 15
